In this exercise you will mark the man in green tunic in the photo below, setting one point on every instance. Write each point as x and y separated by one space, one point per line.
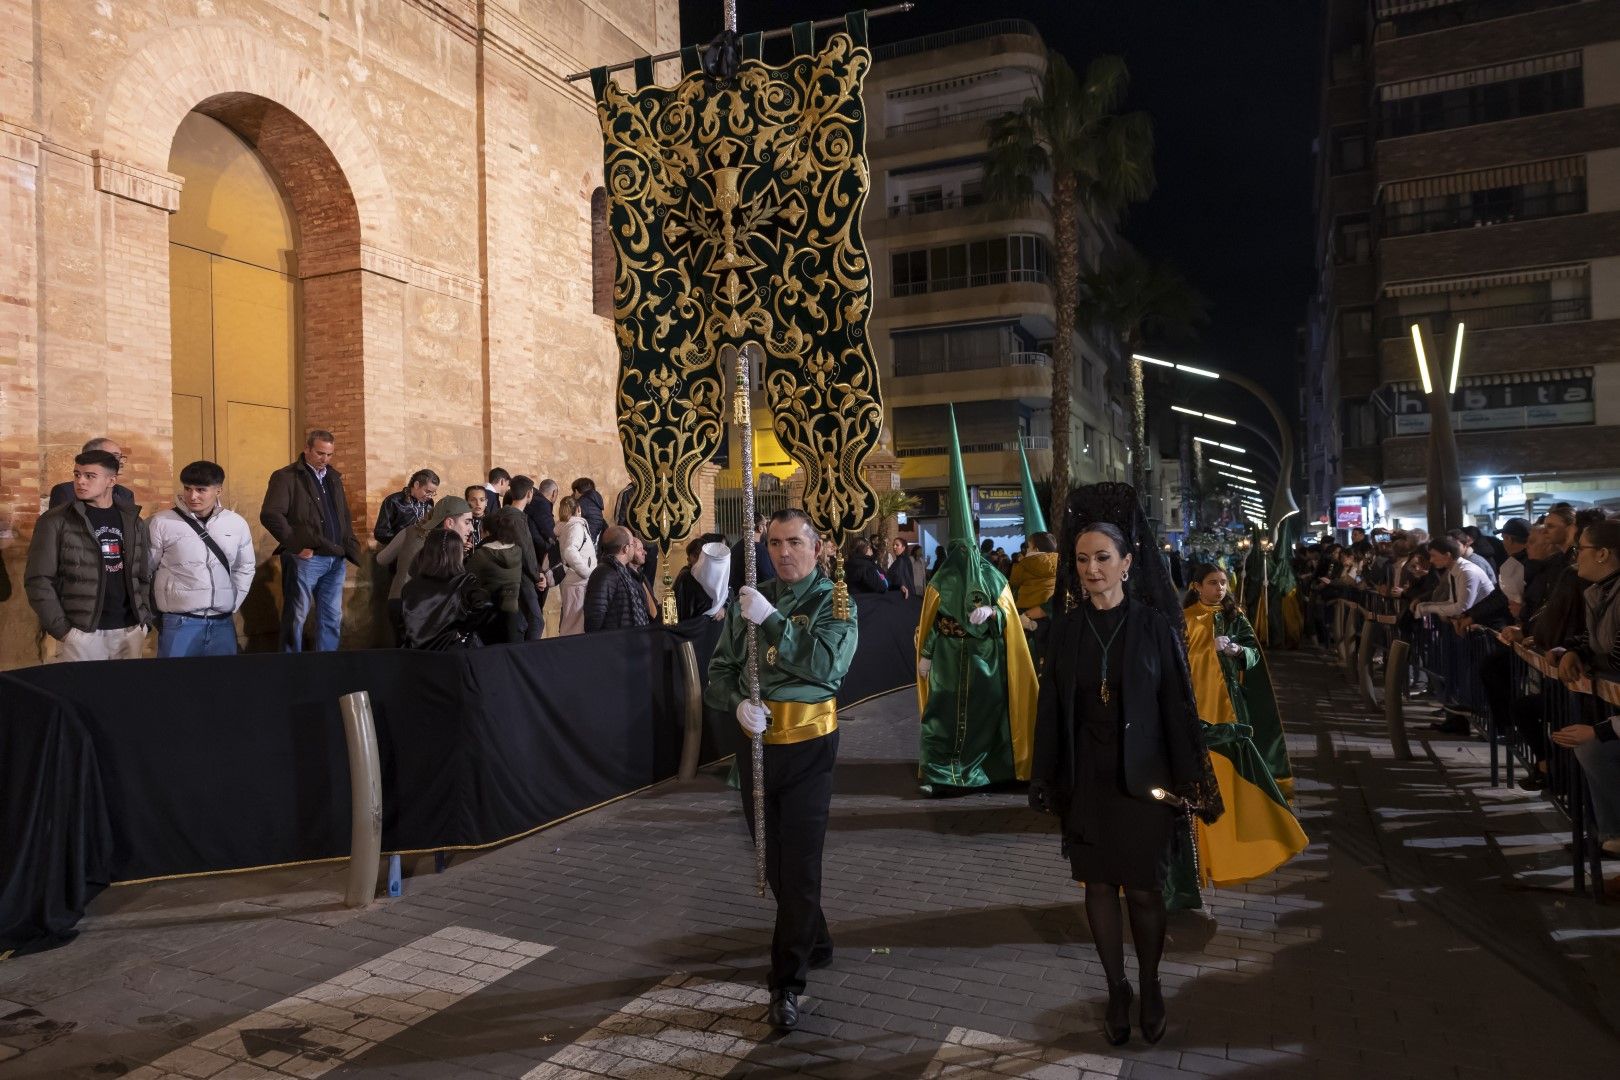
976 684
804 652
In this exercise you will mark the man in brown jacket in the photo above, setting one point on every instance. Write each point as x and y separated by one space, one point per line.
89 577
305 510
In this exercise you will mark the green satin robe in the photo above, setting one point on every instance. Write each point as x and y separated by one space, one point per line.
804 649
977 707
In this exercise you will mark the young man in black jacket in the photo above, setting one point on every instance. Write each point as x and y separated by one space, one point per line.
614 596
406 507
861 571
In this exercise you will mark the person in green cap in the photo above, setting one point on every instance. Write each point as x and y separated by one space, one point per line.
976 685
804 651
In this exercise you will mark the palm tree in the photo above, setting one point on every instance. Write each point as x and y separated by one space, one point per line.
1139 300
1097 160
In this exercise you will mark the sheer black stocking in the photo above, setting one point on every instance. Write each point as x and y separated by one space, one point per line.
1107 928
1148 918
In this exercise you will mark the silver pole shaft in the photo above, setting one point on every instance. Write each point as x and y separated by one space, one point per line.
365 798
745 416
731 15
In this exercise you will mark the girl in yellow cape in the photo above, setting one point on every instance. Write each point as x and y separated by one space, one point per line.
1258 832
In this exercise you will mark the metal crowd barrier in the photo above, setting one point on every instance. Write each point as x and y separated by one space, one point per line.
1357 627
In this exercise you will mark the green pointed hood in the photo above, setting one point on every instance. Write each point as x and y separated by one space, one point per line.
965 579
961 509
1034 520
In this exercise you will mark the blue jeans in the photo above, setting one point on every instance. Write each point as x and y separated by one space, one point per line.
189 635
1600 761
318 578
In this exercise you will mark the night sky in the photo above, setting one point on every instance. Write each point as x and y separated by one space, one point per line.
1232 91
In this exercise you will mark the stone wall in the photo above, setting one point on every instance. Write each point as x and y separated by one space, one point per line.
440 171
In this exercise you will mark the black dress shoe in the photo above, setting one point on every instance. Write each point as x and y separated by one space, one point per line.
1151 1017
784 1011
1116 1025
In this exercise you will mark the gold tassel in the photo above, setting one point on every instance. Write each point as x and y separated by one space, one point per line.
840 589
671 613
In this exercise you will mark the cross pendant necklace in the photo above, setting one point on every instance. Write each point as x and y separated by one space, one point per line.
1102 693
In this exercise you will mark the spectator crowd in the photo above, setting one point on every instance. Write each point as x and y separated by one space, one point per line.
1551 585
460 570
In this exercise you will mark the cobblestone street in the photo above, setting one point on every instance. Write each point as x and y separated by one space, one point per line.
1429 931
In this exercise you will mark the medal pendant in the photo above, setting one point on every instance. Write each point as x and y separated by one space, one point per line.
1103 693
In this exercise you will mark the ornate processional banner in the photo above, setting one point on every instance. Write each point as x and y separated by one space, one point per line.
735 211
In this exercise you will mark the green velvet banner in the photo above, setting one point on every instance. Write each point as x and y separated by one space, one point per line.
735 212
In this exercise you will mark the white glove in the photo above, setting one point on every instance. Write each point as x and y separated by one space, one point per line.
1025 621
752 718
755 608
924 666
981 615
1222 642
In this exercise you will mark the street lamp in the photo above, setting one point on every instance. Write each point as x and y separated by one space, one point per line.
1283 503
1445 501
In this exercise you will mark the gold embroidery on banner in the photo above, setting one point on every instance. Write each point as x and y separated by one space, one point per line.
735 215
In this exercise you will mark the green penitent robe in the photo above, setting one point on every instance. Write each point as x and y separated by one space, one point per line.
978 703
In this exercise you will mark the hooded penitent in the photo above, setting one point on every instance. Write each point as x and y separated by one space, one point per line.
978 702
1258 832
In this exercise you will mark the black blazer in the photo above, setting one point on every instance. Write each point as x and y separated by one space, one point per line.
1163 743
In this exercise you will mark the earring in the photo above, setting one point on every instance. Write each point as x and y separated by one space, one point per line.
1126 576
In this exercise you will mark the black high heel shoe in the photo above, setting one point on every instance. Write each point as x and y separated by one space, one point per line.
1151 1017
1116 1026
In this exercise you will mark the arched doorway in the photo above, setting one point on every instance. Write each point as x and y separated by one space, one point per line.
233 312
264 270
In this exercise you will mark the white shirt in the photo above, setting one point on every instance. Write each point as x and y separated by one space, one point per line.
1469 586
1510 579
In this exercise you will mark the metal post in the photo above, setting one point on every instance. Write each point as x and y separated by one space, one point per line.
692 743
365 798
1364 658
1394 697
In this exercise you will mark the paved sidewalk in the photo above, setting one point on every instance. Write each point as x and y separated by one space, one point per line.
1425 933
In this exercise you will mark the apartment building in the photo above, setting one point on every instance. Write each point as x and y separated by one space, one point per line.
963 312
1468 175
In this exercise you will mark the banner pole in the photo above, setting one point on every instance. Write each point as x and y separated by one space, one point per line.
744 416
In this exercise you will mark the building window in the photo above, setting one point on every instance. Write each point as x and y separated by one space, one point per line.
1493 306
1401 20
1486 206
957 348
1355 332
961 266
1352 239
1349 149
1482 103
1358 423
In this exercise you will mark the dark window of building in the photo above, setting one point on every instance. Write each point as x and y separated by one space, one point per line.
926 200
909 270
1352 239
1487 206
1427 18
1506 100
1358 421
1355 332
1349 149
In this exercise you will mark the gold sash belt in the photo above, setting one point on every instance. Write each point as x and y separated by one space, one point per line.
800 721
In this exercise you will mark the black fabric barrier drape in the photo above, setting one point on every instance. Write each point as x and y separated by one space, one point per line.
56 840
132 769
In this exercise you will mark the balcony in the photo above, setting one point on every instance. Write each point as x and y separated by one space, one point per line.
959 36
1571 309
948 364
1398 20
981 114
968 281
935 204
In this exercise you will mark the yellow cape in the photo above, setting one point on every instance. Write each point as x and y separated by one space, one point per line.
1023 688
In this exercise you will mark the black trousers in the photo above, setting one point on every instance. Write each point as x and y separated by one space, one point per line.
798 795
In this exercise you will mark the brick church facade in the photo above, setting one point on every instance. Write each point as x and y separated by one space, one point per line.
432 300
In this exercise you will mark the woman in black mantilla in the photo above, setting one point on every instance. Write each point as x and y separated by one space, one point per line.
1116 723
